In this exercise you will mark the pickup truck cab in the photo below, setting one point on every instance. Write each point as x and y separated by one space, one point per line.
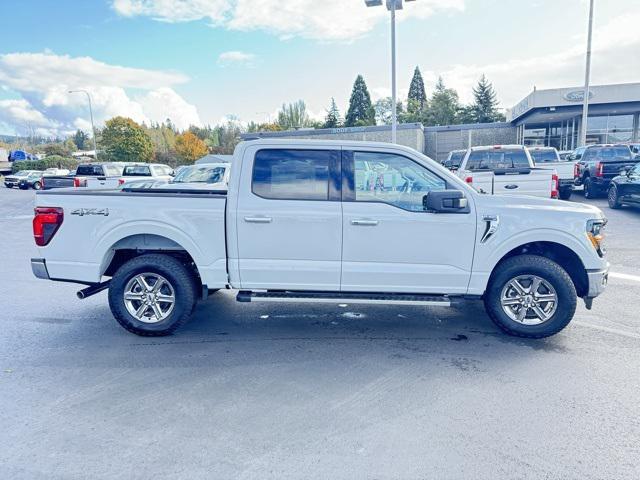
324 221
507 169
132 171
598 164
548 158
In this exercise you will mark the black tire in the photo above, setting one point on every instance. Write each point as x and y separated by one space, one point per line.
565 193
37 186
175 273
550 272
8 185
613 198
589 189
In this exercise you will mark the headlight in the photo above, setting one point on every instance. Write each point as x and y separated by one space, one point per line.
596 235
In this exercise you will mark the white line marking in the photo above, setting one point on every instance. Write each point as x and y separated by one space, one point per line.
625 276
615 331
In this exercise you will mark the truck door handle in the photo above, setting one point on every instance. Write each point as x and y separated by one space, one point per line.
511 186
257 219
365 223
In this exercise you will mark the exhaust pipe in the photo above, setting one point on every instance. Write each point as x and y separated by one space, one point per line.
92 290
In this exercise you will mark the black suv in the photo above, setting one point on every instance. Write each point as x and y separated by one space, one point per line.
598 164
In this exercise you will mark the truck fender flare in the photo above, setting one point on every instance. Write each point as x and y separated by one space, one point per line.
175 240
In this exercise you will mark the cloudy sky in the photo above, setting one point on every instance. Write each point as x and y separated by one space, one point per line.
199 61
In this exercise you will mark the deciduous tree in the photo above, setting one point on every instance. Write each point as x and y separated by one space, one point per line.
123 140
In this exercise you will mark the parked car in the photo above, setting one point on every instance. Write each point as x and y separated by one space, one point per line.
208 175
598 164
507 169
303 222
549 159
19 155
625 188
13 180
33 180
132 171
82 173
453 159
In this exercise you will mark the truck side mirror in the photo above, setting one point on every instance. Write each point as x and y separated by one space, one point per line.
445 201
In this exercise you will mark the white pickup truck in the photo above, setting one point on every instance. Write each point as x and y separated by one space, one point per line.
324 221
507 169
548 158
132 171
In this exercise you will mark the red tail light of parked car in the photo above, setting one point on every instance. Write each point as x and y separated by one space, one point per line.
555 186
599 169
46 222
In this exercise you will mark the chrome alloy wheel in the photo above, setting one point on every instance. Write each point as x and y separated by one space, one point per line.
149 297
529 300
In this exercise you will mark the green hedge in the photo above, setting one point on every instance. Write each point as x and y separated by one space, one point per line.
53 161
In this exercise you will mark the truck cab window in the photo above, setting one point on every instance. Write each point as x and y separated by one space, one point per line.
393 179
292 174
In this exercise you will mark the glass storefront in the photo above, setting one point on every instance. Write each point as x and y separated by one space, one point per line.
564 135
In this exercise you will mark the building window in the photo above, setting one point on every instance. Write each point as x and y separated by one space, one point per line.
610 129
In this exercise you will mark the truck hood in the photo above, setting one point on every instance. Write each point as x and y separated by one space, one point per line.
526 205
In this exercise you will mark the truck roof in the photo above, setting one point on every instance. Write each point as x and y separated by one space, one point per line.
496 147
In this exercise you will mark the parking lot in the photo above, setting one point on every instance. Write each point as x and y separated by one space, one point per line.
322 391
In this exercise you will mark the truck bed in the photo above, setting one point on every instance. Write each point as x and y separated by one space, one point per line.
96 221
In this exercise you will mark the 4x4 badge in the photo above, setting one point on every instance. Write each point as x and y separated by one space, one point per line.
90 211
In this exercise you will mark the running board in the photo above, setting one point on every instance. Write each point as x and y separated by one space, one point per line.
340 297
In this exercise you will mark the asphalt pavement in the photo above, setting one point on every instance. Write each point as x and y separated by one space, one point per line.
287 391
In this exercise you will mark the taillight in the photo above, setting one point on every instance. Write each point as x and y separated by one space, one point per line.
576 170
46 222
555 185
469 179
120 181
42 183
79 182
599 169
76 182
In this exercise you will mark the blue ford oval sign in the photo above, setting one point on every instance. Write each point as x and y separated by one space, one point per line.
576 96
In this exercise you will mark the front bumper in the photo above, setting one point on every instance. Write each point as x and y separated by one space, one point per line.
597 281
39 268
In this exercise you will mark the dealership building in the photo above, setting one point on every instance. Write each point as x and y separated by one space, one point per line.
549 117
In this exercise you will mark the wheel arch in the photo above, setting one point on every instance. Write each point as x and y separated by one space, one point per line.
564 256
137 244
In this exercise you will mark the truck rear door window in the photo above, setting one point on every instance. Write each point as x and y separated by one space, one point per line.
497 159
544 156
137 171
292 174
89 170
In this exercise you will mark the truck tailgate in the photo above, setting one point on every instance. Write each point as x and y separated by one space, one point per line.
564 170
103 182
534 182
97 222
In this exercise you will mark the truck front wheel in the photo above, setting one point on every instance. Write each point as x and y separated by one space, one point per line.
530 296
152 295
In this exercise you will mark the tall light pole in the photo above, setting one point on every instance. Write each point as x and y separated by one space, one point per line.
587 80
392 6
93 128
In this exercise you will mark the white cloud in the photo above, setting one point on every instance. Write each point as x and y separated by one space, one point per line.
326 20
44 79
236 57
614 44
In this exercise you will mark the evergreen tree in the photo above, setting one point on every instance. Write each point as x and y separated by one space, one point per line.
444 105
332 120
360 111
417 99
485 102
80 138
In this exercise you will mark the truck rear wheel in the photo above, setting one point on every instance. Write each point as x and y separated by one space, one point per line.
152 295
565 193
530 296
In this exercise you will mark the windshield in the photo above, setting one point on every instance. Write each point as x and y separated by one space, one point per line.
137 171
545 156
497 159
200 174
456 158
